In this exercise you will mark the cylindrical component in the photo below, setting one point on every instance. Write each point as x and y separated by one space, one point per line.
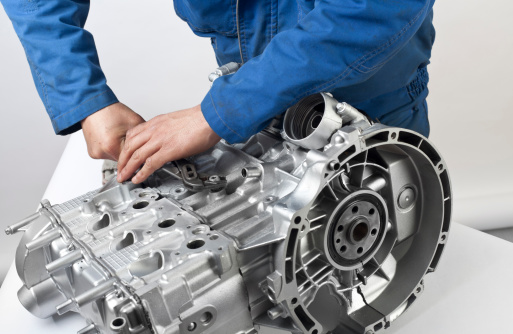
119 325
226 69
95 293
91 329
334 165
375 182
275 312
251 172
43 240
87 297
16 227
349 113
311 122
65 307
65 261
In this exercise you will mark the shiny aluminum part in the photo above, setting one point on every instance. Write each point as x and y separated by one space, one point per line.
227 69
311 122
335 239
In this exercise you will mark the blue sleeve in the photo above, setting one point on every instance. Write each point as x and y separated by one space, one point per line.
337 44
62 57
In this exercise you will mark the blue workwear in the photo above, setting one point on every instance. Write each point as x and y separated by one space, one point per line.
371 53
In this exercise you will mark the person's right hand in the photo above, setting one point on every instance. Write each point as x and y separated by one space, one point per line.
105 130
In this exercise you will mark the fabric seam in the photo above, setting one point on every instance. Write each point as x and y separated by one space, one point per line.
84 102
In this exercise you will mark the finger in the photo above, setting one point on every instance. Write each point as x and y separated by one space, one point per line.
151 165
137 159
130 146
131 133
146 126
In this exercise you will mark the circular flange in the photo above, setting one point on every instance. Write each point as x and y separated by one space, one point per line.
356 229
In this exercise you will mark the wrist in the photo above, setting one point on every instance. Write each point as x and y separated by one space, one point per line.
100 112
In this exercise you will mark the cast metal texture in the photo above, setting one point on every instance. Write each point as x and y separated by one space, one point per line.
329 227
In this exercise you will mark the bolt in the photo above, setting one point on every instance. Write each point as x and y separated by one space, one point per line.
214 178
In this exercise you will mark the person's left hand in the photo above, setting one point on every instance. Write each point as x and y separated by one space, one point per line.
165 138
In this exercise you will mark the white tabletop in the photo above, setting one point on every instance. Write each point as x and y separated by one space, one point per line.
471 292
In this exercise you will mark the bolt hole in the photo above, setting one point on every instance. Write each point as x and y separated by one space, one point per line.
118 323
444 237
303 228
355 209
179 190
294 301
191 326
206 317
297 220
177 253
343 248
394 135
148 232
360 231
371 211
338 241
419 289
195 244
220 248
140 205
167 223
214 237
335 166
374 231
359 250
315 331
440 167
340 228
144 194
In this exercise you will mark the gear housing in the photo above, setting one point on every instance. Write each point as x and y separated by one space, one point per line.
328 226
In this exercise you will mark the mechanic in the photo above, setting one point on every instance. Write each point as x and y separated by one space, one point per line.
370 53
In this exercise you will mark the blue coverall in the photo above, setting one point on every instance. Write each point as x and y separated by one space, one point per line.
370 53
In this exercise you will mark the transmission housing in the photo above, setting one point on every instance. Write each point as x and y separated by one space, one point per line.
327 226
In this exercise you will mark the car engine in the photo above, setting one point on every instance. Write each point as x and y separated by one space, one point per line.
324 222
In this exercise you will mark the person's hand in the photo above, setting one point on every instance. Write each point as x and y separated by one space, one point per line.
105 130
162 139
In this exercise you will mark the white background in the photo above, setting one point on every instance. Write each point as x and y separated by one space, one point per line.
155 65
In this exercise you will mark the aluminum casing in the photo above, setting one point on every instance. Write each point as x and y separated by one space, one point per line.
336 239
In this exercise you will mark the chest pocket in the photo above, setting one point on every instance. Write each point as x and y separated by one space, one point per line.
209 16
